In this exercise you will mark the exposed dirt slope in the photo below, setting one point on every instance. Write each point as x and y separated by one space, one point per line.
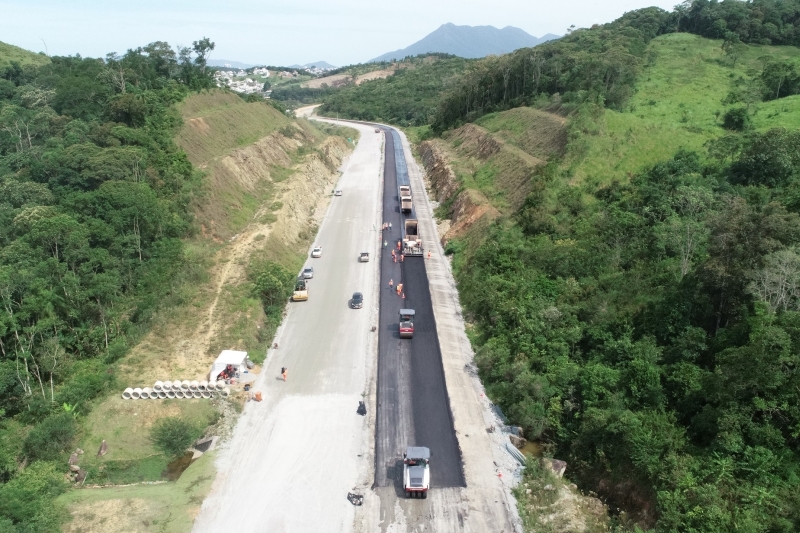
480 173
338 80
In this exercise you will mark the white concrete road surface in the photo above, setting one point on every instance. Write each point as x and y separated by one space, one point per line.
294 456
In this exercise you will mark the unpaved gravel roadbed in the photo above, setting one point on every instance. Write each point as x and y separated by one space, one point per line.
294 456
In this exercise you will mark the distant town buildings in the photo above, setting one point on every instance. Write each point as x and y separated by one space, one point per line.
252 80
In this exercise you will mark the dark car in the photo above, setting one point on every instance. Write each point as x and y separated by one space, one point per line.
357 302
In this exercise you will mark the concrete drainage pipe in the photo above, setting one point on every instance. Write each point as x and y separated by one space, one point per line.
203 385
170 394
154 395
146 393
137 393
127 394
158 386
179 394
226 392
162 395
220 385
197 394
205 394
166 385
185 385
176 385
194 385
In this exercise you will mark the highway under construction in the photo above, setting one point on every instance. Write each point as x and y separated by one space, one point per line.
413 406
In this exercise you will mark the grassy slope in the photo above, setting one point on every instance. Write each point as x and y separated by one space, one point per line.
676 105
164 508
9 53
228 122
216 122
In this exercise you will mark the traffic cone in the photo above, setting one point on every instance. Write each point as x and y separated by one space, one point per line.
404 295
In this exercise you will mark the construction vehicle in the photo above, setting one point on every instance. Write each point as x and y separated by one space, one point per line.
300 293
416 471
405 198
407 323
412 242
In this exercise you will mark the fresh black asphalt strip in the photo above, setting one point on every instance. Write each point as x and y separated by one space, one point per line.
413 406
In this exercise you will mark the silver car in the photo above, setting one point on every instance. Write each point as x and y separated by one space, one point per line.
308 272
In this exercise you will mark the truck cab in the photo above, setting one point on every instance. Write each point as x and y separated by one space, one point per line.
407 323
300 293
416 471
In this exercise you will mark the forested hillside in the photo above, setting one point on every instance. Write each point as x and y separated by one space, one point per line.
94 200
637 312
408 98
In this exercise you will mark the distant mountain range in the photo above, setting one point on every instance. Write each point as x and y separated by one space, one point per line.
228 63
318 64
469 41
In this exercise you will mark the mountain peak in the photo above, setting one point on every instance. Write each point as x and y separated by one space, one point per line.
469 41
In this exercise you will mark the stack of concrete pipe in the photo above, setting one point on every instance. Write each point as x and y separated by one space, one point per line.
163 390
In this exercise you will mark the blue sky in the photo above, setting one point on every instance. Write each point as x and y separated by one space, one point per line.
281 32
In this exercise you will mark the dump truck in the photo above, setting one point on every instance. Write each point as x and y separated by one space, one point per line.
407 323
300 293
405 198
412 242
416 471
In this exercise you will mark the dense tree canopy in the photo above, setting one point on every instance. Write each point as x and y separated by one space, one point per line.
93 203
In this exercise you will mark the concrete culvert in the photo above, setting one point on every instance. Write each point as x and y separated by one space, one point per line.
154 395
205 394
185 384
127 394
167 385
176 385
170 393
197 394
226 392
136 394
179 394
158 386
162 395
194 385
220 385
146 393
203 385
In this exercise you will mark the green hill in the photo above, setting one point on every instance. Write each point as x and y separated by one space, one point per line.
626 274
10 53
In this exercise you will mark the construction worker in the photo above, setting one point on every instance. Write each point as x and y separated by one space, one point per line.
284 371
398 245
399 288
390 225
391 284
392 252
429 254
402 257
384 244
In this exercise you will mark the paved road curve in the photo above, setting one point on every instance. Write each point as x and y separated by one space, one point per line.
413 405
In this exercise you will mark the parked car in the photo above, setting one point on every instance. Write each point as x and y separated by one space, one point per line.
364 257
337 192
316 251
357 302
308 272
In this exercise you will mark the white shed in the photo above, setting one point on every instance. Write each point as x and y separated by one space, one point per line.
228 357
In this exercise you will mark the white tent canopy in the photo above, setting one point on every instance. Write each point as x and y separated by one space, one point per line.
228 357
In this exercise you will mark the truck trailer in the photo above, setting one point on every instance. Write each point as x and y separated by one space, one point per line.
412 242
405 199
